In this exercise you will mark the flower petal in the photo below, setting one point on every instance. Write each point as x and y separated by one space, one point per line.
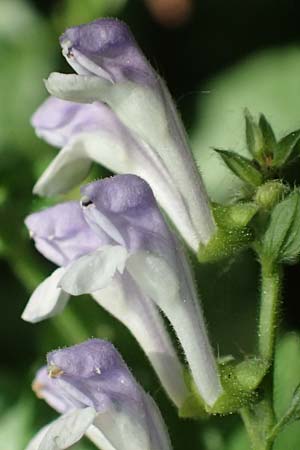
138 313
94 271
66 171
57 120
172 293
61 233
106 48
68 429
159 437
125 429
47 300
128 204
77 88
98 438
34 443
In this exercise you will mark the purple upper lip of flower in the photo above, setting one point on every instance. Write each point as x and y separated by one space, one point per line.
64 232
108 43
92 373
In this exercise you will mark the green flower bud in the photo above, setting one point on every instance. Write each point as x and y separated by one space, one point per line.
269 194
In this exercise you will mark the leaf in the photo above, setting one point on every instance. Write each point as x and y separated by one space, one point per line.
286 376
241 167
293 412
281 242
268 135
284 150
286 380
254 136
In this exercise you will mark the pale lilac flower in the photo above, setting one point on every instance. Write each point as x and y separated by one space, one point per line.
93 389
123 118
139 261
62 235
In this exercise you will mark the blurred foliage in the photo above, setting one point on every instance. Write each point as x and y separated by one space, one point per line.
224 59
72 12
287 378
268 83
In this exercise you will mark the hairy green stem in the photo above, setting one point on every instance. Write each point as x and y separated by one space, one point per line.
259 419
270 298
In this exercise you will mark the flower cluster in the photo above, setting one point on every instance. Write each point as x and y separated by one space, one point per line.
116 245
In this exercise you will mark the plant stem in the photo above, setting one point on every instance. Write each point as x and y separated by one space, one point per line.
270 298
259 418
254 427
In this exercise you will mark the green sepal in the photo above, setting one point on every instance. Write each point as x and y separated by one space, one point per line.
236 394
239 382
281 242
242 167
287 149
193 407
251 372
254 137
234 216
233 233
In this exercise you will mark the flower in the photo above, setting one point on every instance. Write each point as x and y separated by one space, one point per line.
93 389
62 235
137 263
118 112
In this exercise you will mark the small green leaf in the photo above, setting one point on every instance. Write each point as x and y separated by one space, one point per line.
242 167
294 412
286 380
281 242
268 135
286 148
254 136
290 416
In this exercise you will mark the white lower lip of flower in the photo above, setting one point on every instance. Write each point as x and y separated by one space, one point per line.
47 300
67 430
94 270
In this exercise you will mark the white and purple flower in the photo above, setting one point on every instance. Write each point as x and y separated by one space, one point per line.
92 388
118 112
119 249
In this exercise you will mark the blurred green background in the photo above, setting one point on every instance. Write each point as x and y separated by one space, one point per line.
217 57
